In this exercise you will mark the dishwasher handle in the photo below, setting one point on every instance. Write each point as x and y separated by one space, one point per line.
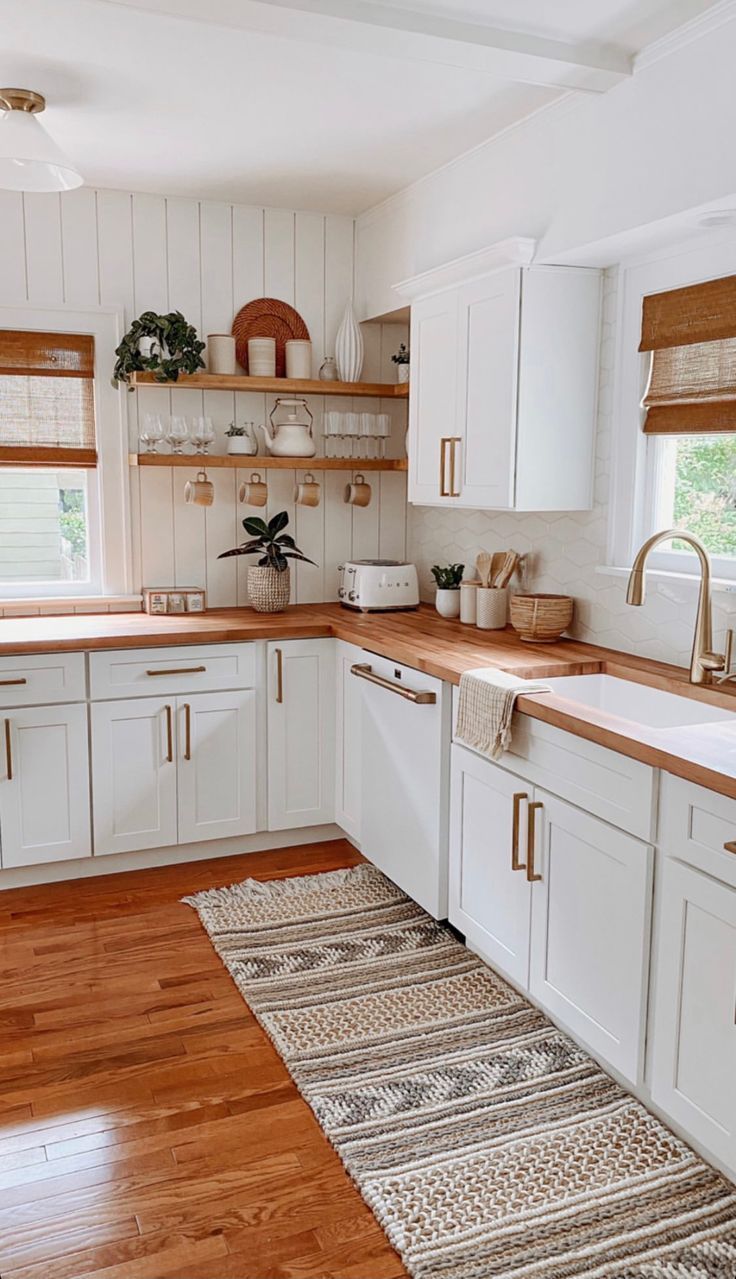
421 698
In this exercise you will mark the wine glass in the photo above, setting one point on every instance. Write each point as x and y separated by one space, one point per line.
178 433
152 431
202 434
383 430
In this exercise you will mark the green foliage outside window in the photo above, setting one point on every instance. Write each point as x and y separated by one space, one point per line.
73 520
705 491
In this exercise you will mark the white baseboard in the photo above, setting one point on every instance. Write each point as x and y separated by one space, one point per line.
174 855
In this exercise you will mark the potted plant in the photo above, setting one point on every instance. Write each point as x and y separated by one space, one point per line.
269 583
241 439
448 579
165 345
401 360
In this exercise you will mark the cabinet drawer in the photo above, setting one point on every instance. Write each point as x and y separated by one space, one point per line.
156 672
42 679
600 781
695 824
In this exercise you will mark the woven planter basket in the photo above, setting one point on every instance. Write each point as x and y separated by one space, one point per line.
541 619
268 590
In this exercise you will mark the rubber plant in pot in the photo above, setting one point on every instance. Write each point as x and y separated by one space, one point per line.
269 584
448 579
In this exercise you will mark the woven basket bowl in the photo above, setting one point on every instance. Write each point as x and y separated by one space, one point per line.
268 590
541 619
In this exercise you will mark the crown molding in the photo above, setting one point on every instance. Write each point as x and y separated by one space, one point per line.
515 251
686 34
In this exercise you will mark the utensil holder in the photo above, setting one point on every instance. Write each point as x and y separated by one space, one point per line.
491 606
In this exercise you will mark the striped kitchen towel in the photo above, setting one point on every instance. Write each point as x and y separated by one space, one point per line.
486 705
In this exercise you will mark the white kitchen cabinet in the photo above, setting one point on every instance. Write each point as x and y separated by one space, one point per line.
694 1037
348 743
502 402
134 774
44 786
216 734
301 733
490 896
591 912
556 899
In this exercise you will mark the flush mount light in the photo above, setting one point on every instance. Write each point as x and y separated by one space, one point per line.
29 159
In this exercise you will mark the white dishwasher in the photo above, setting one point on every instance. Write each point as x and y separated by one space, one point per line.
405 767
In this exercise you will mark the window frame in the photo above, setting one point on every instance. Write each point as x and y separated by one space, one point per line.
635 464
108 486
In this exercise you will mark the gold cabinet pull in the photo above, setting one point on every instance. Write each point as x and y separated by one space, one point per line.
423 697
279 676
8 752
444 492
531 835
453 445
180 670
169 736
187 731
5 683
730 847
519 798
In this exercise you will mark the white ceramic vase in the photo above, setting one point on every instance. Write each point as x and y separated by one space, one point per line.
402 374
447 602
349 347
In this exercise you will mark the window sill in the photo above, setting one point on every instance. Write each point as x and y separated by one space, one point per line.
719 585
56 604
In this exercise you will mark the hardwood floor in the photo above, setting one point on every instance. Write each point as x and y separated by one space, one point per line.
148 1129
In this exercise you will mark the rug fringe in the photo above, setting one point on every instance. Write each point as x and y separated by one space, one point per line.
292 886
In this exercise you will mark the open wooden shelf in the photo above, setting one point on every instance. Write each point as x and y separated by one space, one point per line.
242 462
276 385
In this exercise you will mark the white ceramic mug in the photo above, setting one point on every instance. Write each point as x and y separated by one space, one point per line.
358 493
307 492
262 357
221 353
200 492
254 492
299 358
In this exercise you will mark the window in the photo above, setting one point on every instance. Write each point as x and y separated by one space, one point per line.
694 487
47 531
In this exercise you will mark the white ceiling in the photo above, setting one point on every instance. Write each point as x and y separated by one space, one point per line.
285 103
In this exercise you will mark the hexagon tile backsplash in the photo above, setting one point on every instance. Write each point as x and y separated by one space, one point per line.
563 550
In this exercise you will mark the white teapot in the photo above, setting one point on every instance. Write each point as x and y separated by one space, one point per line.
291 436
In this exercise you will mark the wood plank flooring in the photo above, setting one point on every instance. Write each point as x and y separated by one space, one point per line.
148 1129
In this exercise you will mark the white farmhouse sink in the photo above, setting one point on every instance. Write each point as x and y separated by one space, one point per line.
637 703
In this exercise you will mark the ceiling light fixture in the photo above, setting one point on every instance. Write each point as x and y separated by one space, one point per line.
29 159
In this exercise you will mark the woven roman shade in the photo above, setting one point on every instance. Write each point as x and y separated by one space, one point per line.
47 410
691 333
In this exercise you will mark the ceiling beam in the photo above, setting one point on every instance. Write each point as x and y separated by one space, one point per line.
365 26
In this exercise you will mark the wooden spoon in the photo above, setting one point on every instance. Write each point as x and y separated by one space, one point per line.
483 565
507 570
497 563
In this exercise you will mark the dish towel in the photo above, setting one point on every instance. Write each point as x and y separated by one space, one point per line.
487 698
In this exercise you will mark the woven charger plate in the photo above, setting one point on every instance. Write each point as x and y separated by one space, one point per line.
268 318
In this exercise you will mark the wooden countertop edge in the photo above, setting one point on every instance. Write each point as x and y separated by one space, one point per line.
418 639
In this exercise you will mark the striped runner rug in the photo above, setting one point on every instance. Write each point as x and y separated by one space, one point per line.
486 1142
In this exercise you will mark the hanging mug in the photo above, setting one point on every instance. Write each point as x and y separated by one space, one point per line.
358 493
200 491
307 492
254 492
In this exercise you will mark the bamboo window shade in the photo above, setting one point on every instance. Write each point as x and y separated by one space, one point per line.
691 334
47 409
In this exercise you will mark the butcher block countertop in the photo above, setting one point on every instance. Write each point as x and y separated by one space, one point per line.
430 643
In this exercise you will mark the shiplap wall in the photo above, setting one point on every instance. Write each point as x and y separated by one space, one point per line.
87 248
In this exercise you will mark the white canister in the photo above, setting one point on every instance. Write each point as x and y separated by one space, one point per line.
262 357
298 358
221 353
491 607
469 602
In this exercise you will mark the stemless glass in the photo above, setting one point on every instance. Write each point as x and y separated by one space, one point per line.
178 433
203 434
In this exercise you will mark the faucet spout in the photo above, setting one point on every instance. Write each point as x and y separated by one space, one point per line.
703 661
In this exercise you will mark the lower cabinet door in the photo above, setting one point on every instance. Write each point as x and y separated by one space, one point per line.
301 733
694 1040
590 930
134 774
490 898
348 752
217 765
44 786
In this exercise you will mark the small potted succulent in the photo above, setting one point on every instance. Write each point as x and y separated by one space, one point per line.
165 345
269 583
401 360
448 579
241 439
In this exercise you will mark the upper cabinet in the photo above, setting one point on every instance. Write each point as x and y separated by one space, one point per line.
504 376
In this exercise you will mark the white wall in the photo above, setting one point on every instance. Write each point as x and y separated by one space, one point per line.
87 248
578 175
